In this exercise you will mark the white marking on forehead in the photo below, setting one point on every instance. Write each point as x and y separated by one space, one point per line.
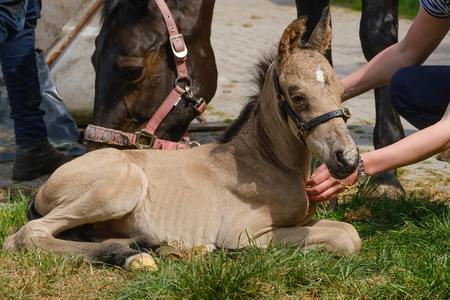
320 75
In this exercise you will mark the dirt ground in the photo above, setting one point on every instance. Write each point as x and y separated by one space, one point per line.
244 29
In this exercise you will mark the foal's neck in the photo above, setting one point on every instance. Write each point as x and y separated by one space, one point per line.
267 134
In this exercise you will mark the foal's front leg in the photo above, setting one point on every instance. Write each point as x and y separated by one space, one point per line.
114 195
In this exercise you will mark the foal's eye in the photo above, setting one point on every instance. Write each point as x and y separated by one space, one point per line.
298 98
131 74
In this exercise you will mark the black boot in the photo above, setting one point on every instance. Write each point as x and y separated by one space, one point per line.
33 160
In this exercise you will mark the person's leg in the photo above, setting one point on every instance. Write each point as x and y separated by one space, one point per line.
421 94
34 155
12 18
18 59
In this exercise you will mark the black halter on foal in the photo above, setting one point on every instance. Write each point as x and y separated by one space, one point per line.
302 126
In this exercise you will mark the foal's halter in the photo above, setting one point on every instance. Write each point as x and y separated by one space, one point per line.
115 137
303 127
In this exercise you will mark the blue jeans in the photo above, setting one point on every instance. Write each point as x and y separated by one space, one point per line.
20 73
421 94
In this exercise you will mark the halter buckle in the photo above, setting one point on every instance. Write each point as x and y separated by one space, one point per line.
346 113
302 132
143 134
179 54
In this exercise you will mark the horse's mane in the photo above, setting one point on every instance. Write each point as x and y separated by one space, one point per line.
258 79
110 7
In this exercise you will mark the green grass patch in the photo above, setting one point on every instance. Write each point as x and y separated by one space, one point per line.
406 8
405 255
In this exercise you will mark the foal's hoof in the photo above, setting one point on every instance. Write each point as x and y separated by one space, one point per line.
204 249
168 252
141 262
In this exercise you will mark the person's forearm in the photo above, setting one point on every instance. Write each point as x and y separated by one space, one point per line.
411 149
422 38
377 72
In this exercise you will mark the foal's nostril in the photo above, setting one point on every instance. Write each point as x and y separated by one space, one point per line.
340 158
345 161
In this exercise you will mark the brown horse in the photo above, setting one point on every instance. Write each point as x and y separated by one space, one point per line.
136 62
248 188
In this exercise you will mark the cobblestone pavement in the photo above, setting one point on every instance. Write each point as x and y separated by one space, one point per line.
244 29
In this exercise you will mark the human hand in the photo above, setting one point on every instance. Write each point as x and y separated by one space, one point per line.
322 186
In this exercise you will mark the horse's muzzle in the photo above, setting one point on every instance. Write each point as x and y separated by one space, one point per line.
344 163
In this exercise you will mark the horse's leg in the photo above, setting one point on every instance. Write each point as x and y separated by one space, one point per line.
114 196
314 10
378 30
336 237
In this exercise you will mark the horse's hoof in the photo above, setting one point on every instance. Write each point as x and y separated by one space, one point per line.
168 252
141 262
444 156
385 184
375 192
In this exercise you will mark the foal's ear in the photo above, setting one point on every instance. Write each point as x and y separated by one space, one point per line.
291 38
321 37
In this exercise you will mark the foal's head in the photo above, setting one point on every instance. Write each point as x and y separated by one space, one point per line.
135 68
311 88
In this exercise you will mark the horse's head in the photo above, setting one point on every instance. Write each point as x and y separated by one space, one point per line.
136 70
311 94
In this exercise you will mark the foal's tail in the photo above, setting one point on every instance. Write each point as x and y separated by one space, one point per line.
32 214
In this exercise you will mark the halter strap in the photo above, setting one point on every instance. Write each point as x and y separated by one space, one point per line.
115 137
304 127
175 38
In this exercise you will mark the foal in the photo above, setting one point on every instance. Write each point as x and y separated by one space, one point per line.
249 188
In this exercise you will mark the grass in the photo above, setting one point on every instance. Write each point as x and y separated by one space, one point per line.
405 255
406 8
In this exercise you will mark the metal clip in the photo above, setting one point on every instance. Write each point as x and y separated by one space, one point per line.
181 54
142 134
191 97
198 104
188 84
189 144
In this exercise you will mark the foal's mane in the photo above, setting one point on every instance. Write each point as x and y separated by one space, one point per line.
258 79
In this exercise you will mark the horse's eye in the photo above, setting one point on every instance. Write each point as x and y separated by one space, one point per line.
131 74
298 98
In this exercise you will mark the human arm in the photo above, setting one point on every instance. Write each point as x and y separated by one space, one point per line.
412 149
424 35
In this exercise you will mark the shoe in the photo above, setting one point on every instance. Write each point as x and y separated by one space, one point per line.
34 160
